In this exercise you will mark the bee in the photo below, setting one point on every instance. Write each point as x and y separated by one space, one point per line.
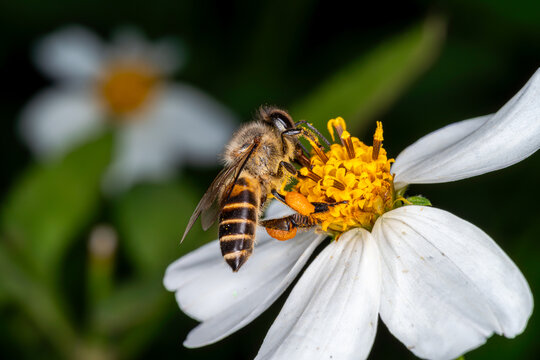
258 159
286 227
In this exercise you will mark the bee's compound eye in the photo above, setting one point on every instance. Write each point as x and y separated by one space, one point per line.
281 120
280 124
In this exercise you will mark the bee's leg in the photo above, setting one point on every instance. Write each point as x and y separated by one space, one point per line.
284 165
300 151
301 156
289 132
263 201
280 229
285 228
301 131
302 205
278 174
278 196
324 207
288 166
309 135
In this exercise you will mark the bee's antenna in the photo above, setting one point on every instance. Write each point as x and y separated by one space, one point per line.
304 149
314 129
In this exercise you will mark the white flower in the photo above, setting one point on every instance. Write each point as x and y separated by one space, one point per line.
440 284
122 85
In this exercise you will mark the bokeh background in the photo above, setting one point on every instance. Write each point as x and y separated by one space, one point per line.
415 66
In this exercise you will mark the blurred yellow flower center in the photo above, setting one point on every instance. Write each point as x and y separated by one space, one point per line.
127 86
353 172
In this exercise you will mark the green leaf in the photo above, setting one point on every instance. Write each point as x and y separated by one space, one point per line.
368 85
419 200
50 203
151 220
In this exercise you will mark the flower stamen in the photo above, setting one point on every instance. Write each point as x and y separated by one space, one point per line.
317 148
348 144
307 173
377 141
344 136
340 126
338 185
355 175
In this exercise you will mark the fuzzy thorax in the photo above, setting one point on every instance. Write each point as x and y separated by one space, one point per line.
353 172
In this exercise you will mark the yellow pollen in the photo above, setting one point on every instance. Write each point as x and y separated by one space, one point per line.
126 87
353 172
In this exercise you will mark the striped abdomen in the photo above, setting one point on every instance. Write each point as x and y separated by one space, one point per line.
238 221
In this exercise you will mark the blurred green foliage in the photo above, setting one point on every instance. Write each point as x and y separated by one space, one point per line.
322 59
367 86
49 204
151 220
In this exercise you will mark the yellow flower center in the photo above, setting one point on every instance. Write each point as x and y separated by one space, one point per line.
353 172
126 87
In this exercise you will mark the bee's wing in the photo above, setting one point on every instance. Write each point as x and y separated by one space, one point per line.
209 204
209 216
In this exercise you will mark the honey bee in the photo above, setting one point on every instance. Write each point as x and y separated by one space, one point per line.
257 160
286 227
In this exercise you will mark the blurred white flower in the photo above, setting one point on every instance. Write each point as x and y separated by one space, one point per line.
122 85
440 284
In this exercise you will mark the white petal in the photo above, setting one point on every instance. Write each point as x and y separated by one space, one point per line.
181 125
73 53
446 285
168 55
509 136
129 44
198 127
332 311
140 156
431 144
207 289
58 119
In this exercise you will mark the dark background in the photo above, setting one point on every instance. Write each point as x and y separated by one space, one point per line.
247 53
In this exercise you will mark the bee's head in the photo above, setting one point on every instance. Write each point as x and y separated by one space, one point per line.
280 119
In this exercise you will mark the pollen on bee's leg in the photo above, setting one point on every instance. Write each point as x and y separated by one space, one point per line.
281 235
299 203
377 141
